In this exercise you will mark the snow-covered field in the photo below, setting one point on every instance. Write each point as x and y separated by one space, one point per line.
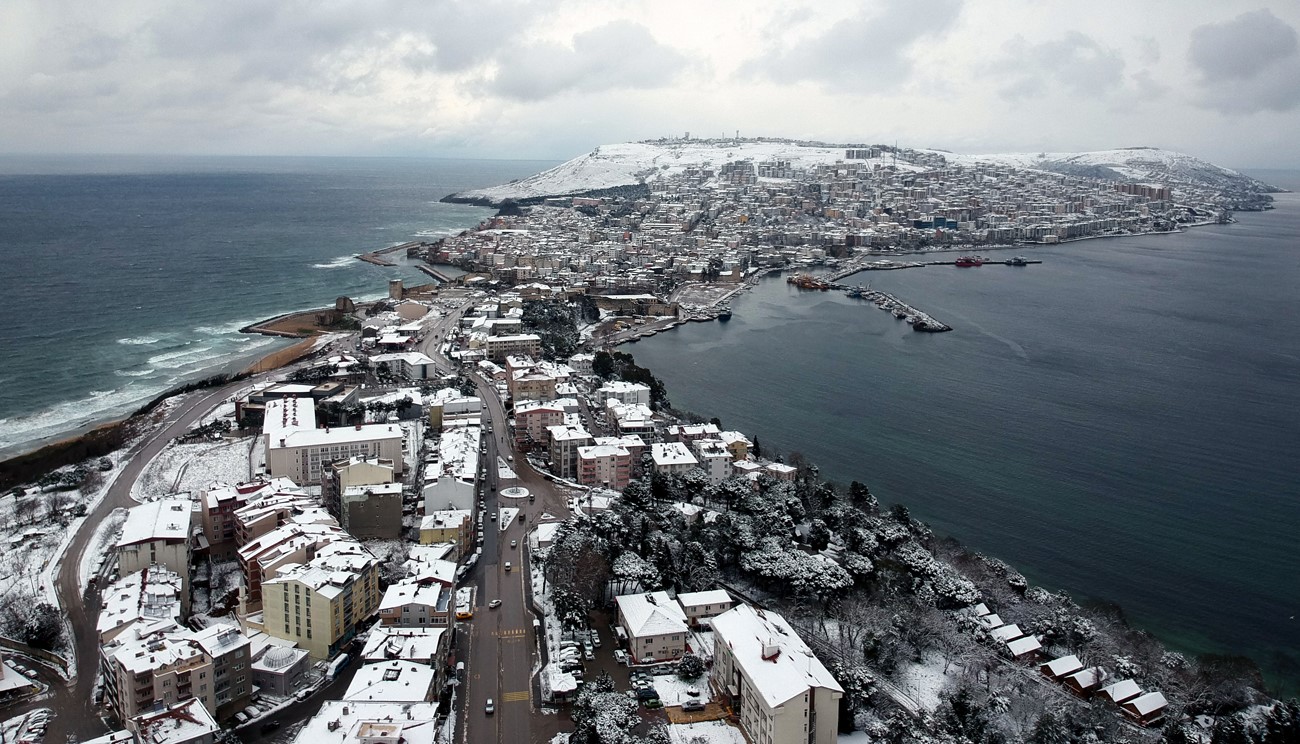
709 732
924 682
190 467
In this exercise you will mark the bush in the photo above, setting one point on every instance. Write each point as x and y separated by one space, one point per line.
690 667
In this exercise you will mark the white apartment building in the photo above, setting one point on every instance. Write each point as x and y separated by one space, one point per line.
714 458
672 457
296 449
564 444
627 393
779 690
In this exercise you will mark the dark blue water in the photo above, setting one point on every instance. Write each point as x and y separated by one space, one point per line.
125 276
1119 422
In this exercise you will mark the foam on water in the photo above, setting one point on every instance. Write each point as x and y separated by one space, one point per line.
338 263
138 341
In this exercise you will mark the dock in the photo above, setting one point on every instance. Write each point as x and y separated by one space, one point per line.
919 321
377 257
887 265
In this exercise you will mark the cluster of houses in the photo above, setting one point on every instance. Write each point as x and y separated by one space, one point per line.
714 221
1144 708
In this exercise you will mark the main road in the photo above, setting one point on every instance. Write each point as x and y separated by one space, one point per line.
501 645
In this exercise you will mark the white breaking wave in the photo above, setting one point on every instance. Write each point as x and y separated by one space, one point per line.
166 360
224 329
138 341
61 418
442 232
337 263
137 373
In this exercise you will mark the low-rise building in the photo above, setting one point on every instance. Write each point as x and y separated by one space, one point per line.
627 393
714 459
778 689
297 450
367 722
153 593
185 722
414 605
448 526
672 457
700 606
606 465
655 626
393 681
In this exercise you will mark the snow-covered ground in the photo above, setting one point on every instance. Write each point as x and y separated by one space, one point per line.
709 732
674 691
924 682
506 516
101 543
190 467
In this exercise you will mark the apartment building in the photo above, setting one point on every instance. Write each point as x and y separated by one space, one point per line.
605 465
448 526
655 626
157 533
671 457
714 459
564 443
232 672
321 604
778 689
417 605
148 665
296 449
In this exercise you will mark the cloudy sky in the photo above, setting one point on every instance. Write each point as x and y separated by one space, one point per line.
554 78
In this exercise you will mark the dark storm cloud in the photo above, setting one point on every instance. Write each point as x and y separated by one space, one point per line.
621 54
867 50
1248 64
1075 63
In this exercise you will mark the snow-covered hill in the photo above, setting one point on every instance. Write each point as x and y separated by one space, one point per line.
633 163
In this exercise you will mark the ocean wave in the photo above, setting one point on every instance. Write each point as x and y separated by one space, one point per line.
63 417
138 340
337 263
224 329
440 232
135 373
170 359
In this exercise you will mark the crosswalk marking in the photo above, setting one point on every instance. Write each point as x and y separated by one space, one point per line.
509 633
516 697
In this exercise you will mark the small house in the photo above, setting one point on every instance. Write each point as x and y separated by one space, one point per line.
1007 632
1121 691
1146 710
1086 682
1057 669
1025 649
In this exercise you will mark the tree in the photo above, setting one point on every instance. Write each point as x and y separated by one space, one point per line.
690 667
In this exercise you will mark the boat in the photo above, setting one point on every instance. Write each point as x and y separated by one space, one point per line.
968 261
724 312
1017 261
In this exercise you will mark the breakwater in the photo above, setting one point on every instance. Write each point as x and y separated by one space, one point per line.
919 320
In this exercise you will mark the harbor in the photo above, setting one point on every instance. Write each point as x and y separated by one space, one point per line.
969 261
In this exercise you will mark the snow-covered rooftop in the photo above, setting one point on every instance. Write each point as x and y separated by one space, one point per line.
153 592
671 453
352 721
393 681
164 519
770 654
696 599
419 645
183 722
651 614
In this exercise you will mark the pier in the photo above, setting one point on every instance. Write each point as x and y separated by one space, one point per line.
889 303
888 265
377 257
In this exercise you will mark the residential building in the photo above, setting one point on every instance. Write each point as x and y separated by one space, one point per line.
372 512
777 688
152 664
533 418
232 672
699 606
655 626
408 365
671 457
296 449
526 344
394 681
714 459
185 722
371 722
417 605
737 443
152 593
292 543
627 393
321 604
605 465
564 443
448 526
354 471
157 533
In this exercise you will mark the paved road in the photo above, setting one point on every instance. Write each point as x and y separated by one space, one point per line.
83 610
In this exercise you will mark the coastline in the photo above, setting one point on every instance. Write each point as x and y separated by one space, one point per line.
96 439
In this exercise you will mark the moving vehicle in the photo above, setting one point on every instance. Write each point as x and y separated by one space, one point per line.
494 604
507 566
514 543
490 708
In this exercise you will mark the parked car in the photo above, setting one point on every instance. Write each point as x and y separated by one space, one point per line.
646 693
653 703
587 651
595 638
620 656
691 706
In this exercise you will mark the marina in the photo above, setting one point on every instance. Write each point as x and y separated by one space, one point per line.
890 265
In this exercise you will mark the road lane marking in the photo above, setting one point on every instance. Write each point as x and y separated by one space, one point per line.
517 697
509 633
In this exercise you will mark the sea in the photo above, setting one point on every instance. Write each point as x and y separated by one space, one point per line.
128 276
1121 422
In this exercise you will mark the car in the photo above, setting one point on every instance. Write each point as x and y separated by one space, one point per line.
692 692
270 726
595 638
620 656
494 516
653 703
507 566
241 717
510 458
514 544
494 604
490 707
568 644
646 693
690 706
587 651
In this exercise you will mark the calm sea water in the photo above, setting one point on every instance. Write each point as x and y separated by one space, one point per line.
1119 422
126 276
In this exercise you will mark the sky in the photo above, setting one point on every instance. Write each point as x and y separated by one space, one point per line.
553 79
